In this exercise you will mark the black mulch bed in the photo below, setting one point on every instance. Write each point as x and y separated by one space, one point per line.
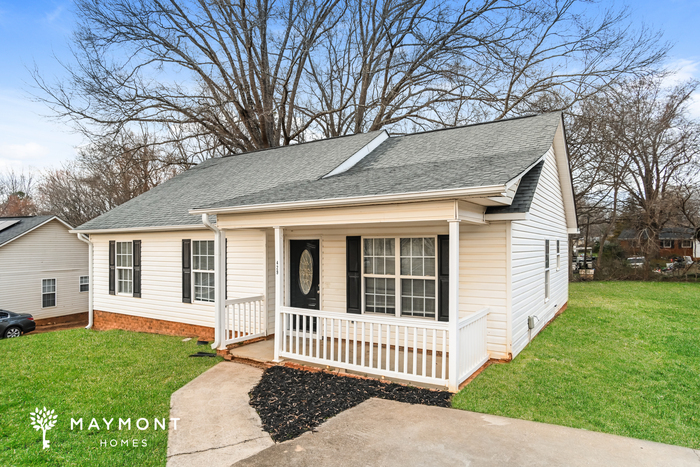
291 401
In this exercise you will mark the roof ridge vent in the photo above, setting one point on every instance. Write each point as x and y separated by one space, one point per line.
363 152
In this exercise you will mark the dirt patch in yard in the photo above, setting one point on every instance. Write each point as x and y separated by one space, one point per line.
291 401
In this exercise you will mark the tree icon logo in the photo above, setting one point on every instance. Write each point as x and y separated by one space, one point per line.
43 420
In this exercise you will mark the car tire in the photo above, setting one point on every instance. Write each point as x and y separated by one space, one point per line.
12 331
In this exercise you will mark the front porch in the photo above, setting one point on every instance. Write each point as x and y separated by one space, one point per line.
393 312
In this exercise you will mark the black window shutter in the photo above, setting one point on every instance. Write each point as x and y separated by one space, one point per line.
443 277
186 271
136 253
112 267
353 255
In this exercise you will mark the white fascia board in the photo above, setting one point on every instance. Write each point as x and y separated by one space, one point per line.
508 216
518 177
36 227
353 160
141 229
483 191
573 231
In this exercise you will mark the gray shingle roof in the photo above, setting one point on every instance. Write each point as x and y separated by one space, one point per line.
24 225
471 156
524 194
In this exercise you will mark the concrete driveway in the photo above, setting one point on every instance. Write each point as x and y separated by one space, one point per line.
386 433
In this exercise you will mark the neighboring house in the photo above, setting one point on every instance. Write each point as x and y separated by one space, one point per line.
376 254
43 269
673 241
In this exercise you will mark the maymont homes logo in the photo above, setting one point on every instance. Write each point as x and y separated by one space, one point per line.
43 420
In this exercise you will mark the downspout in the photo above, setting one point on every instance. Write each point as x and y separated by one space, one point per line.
86 239
219 305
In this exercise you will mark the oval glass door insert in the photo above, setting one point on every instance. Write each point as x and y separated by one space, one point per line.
306 272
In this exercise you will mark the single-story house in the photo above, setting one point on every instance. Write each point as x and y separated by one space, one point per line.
416 257
43 269
673 241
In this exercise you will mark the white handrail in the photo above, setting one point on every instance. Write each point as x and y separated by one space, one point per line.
467 320
236 301
392 320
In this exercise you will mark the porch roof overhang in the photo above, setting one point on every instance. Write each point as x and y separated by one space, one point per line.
467 194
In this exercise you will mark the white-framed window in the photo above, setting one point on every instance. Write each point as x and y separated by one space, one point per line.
125 272
203 270
414 280
687 244
48 293
546 270
558 255
666 243
84 283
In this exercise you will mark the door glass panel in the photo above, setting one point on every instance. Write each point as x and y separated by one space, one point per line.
306 272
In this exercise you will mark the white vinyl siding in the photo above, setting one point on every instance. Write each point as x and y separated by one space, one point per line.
49 251
528 276
48 293
161 279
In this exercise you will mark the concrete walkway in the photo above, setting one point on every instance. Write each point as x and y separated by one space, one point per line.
386 433
217 425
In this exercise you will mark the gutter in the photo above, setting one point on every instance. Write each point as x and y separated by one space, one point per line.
480 192
91 248
220 284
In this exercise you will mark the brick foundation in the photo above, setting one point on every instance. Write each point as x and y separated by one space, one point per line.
104 321
75 318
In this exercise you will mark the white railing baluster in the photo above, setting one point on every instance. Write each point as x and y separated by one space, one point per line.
379 346
388 347
415 350
396 349
425 350
371 345
433 367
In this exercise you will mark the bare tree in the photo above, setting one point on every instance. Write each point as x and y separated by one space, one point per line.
231 76
16 194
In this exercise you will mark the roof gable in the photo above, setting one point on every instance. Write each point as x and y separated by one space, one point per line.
24 225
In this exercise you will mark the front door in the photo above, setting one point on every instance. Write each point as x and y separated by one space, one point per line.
304 279
304 274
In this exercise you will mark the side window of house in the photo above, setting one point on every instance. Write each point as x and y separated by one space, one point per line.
558 255
546 269
415 276
48 293
203 269
687 244
125 273
84 283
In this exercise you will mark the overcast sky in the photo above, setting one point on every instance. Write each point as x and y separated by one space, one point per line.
39 31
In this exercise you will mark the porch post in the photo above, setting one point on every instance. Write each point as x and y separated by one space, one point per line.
279 289
220 287
454 305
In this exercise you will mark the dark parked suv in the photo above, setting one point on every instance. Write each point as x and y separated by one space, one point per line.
15 324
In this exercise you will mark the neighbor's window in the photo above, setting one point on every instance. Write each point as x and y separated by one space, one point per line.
666 243
48 293
415 276
546 270
558 256
125 274
203 269
84 283
687 244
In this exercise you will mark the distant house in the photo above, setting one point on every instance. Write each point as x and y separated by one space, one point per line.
43 269
416 257
673 241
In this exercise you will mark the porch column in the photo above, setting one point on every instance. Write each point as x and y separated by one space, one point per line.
454 305
279 289
220 287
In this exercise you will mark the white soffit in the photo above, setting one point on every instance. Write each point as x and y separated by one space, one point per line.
6 224
353 160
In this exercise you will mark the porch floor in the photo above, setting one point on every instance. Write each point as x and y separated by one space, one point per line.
264 352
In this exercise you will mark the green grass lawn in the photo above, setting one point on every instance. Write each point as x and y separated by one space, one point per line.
80 373
624 358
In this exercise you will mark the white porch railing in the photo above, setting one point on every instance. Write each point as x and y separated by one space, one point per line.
409 349
245 319
471 331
